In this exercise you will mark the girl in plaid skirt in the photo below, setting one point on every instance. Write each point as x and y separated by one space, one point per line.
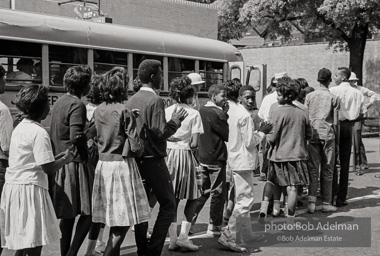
118 198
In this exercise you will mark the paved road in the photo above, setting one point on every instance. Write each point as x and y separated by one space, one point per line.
364 194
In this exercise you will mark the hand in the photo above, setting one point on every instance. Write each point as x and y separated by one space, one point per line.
265 127
173 139
68 155
136 113
226 107
60 155
179 114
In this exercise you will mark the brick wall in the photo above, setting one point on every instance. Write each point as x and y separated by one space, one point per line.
305 61
170 15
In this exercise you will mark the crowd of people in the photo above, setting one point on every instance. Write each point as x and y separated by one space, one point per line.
109 162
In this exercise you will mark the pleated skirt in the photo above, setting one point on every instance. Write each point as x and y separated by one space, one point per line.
70 190
292 173
119 197
182 168
27 217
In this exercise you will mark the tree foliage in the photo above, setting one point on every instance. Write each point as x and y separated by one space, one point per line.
345 23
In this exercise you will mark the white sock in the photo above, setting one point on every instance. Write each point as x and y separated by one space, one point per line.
100 237
264 207
173 232
91 246
276 207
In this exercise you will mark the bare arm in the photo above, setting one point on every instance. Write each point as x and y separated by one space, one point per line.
60 160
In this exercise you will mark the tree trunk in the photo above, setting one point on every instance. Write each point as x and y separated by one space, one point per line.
357 45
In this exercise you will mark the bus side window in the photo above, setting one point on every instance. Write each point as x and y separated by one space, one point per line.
180 68
61 58
20 60
106 60
211 72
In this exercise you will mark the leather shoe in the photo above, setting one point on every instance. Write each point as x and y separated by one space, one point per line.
341 203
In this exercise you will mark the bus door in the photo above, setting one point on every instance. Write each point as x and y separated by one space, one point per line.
236 71
256 77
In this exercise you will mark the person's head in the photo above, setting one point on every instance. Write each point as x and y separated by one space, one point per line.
33 101
233 88
37 68
324 77
2 79
342 75
181 90
302 82
247 97
286 92
95 96
218 94
150 72
25 65
353 80
196 81
115 85
77 80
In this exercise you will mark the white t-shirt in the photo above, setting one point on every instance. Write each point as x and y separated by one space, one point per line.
266 104
30 148
191 125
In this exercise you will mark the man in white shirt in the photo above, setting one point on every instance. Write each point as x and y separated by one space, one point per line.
242 160
360 157
351 110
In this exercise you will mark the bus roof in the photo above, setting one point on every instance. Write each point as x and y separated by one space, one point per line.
32 27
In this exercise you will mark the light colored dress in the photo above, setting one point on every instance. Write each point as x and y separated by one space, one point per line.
27 214
180 160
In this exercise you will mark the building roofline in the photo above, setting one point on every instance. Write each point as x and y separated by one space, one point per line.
201 5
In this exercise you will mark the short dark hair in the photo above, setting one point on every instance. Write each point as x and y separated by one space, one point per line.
346 71
181 89
288 89
245 88
302 82
31 99
233 88
77 78
148 68
115 84
215 89
95 96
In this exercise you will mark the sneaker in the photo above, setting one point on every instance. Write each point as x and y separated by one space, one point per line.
100 247
359 172
94 254
328 208
365 167
213 231
223 240
263 177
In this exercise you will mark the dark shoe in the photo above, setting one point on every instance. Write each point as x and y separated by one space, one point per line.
341 203
223 240
359 173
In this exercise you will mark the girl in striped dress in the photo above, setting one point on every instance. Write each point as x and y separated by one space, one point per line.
118 198
181 161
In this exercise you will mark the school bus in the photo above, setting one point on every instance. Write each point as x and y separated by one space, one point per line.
36 48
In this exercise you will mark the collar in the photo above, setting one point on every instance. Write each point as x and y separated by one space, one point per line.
147 89
212 104
323 88
345 84
26 120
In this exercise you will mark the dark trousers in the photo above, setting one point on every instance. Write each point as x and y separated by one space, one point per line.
157 179
322 157
214 185
360 157
345 145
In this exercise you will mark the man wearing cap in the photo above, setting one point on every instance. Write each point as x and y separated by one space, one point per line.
351 110
196 82
360 157
323 110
